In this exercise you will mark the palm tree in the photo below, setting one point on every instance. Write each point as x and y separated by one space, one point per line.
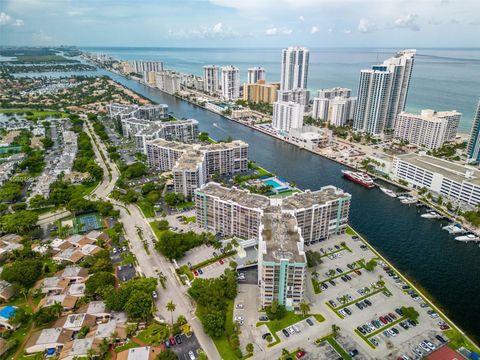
315 274
335 330
57 308
304 308
171 307
24 292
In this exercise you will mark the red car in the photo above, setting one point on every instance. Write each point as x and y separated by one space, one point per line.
392 316
221 261
195 272
300 354
382 319
444 327
172 341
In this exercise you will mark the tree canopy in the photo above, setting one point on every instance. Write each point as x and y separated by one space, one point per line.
174 245
23 272
20 222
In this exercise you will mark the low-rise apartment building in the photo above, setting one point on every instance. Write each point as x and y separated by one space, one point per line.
457 183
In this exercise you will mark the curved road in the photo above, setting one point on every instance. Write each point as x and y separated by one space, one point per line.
149 260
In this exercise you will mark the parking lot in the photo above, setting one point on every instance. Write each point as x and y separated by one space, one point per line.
367 304
126 272
189 343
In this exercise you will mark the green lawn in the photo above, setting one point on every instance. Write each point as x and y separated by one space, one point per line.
185 204
222 344
289 319
154 334
40 113
128 345
147 209
457 340
158 233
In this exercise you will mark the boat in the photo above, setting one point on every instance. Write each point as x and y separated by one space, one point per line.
454 228
402 197
409 200
468 237
431 215
359 178
388 192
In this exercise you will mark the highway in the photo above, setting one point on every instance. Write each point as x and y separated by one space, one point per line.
149 260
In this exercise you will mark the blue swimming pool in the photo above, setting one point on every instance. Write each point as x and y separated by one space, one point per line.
273 183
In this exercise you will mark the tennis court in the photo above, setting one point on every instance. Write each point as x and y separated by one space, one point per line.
87 222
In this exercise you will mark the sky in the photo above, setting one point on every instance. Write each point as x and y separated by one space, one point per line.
241 23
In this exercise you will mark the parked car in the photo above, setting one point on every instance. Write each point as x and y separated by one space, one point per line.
178 339
191 355
309 322
300 354
172 341
285 332
154 294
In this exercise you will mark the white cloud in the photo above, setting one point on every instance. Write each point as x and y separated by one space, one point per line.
407 22
301 18
41 37
278 31
18 22
330 30
217 28
347 31
5 19
365 26
74 13
217 31
315 29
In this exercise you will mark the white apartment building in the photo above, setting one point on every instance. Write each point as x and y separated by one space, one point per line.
185 131
382 93
294 71
235 212
190 172
282 264
141 66
429 129
336 106
162 154
210 79
230 83
287 115
299 96
457 183
168 81
193 164
145 112
254 74
473 148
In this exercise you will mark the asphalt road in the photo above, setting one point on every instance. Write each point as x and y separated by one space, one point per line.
149 260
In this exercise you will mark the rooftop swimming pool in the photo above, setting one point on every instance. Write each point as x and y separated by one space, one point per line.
273 183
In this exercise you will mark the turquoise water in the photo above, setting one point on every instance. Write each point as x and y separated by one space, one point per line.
273 184
442 79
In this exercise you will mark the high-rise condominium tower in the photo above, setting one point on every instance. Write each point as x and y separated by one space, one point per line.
230 82
382 93
210 79
294 70
473 148
255 74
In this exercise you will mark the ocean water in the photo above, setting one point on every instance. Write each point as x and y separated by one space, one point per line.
442 79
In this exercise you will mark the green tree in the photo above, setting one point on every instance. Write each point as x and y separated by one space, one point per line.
410 312
98 281
214 323
304 308
20 222
167 354
139 306
37 201
249 348
171 307
23 272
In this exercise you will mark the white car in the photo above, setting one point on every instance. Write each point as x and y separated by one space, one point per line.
191 355
297 330
238 318
291 330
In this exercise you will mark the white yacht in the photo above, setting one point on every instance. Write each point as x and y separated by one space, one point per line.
454 228
409 200
389 192
468 237
431 215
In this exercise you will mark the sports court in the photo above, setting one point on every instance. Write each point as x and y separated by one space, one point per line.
87 222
